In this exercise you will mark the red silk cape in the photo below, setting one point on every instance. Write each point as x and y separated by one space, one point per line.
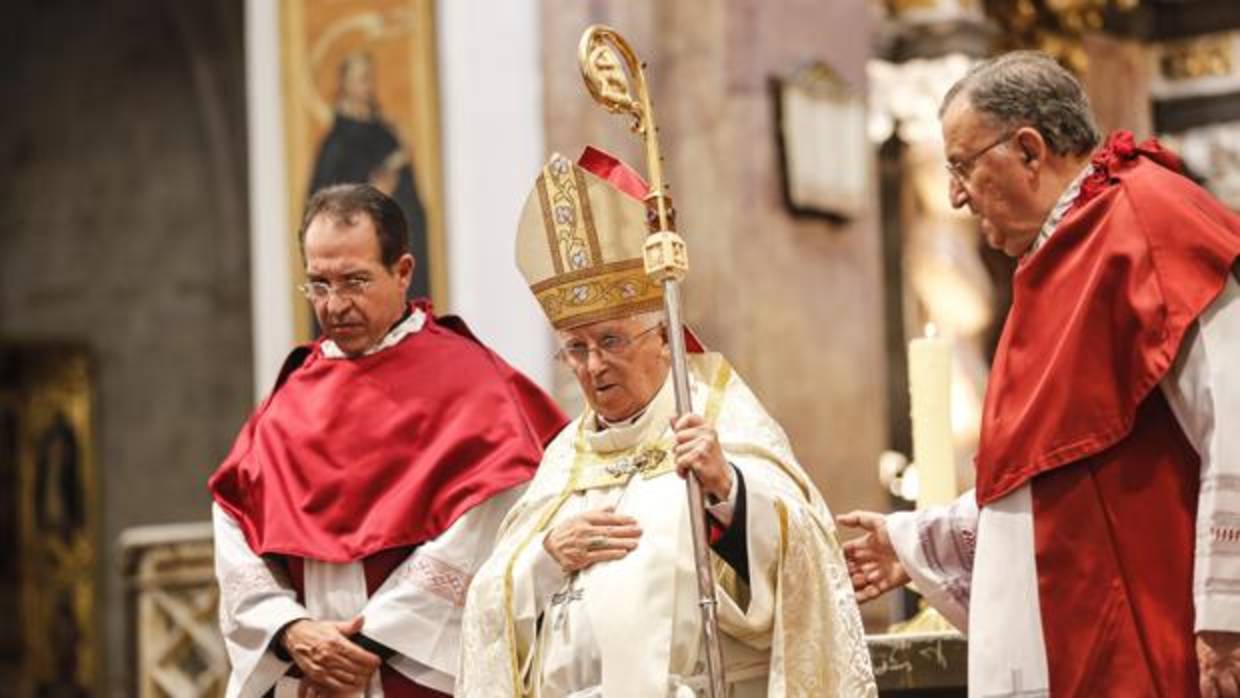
350 457
1098 314
1097 319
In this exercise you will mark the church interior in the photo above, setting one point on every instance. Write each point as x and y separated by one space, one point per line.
160 154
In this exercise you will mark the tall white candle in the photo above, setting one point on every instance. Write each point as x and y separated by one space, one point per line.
930 384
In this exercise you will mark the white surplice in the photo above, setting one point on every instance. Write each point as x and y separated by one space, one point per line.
998 574
962 558
416 612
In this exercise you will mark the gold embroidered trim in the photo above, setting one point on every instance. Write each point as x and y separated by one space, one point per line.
510 620
649 460
718 386
548 225
606 292
781 512
586 274
572 248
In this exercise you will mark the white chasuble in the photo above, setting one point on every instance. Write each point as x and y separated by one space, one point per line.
632 627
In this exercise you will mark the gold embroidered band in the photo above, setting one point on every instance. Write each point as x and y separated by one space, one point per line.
605 292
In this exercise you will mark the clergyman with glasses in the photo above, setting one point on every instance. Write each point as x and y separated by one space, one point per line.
591 589
1100 552
365 490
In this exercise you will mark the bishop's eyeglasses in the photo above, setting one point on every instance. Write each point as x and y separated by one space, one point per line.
577 353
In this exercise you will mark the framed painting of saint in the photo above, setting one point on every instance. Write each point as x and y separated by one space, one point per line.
361 105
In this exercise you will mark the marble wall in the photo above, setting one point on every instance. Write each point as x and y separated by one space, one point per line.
795 304
123 229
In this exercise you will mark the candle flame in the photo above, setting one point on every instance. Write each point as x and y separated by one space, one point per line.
931 330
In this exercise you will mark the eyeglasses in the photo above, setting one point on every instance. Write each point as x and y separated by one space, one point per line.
961 169
577 354
348 289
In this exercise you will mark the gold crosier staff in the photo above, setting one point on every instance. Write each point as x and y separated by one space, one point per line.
667 263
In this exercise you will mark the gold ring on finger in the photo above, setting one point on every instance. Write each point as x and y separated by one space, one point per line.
596 543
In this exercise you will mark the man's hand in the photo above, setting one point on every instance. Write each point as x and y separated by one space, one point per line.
1218 658
309 689
326 656
698 450
871 559
594 536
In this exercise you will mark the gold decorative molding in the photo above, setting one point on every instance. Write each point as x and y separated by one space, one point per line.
1200 66
896 8
820 81
1053 26
1200 57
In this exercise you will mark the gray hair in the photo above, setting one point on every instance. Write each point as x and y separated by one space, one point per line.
651 318
647 318
1030 88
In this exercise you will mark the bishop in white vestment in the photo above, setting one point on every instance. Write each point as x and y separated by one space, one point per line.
592 589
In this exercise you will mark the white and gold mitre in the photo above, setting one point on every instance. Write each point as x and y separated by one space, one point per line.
579 244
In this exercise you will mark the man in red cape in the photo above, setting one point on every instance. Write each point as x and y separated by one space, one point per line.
1098 555
362 495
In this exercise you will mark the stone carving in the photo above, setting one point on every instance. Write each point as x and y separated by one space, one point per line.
178 647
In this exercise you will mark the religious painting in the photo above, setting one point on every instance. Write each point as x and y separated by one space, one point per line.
47 455
361 105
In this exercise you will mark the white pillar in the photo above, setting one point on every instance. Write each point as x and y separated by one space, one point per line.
491 101
270 278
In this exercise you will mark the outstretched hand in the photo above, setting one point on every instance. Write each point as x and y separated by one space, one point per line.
872 561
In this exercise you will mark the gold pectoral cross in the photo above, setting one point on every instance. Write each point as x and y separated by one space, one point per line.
648 461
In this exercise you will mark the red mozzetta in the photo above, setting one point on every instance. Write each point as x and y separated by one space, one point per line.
1098 316
350 457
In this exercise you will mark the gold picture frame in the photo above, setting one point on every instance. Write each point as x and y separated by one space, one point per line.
361 103
47 453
